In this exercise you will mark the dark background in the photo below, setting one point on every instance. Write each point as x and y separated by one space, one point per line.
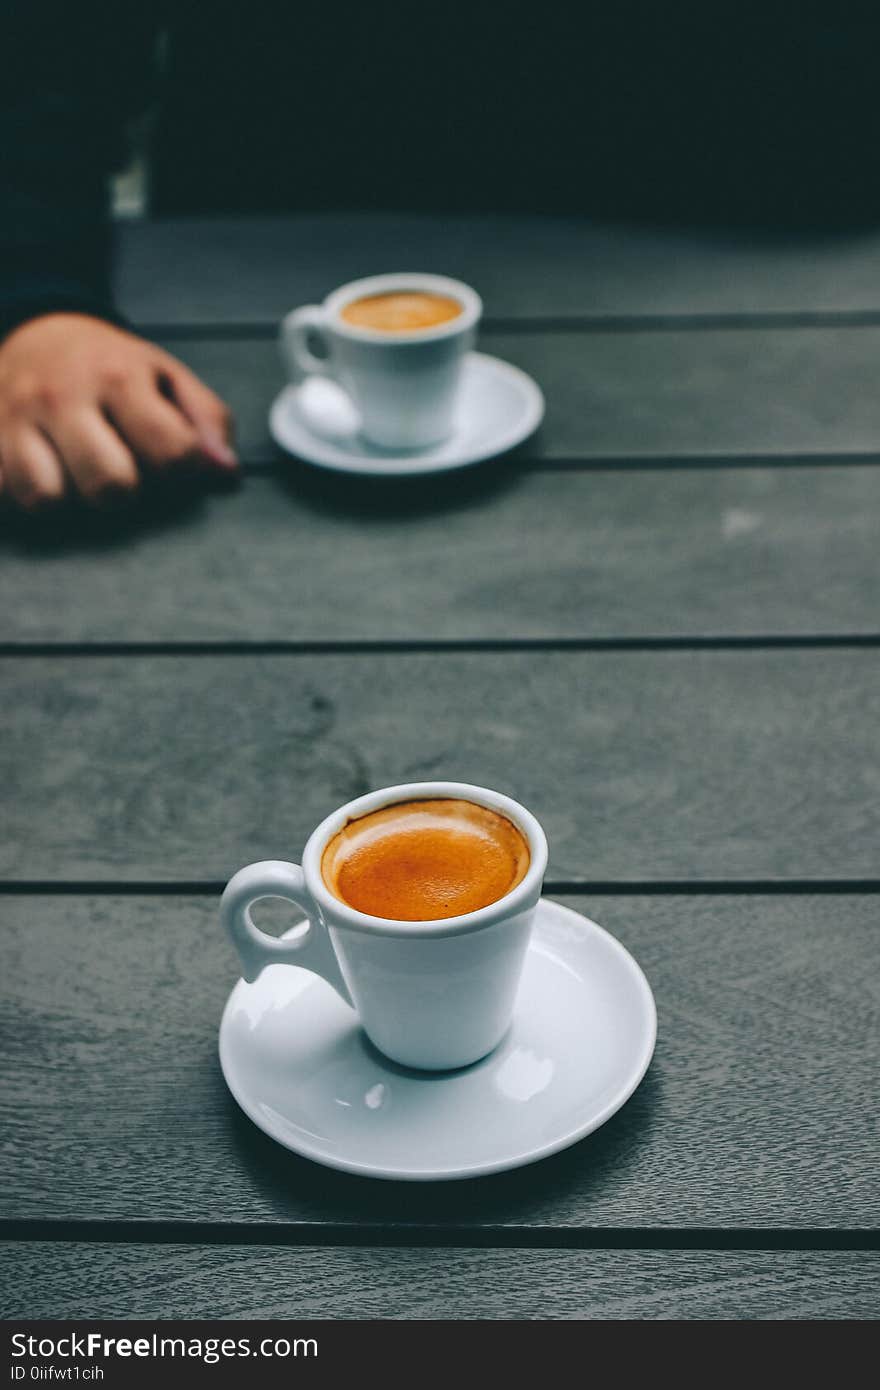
702 111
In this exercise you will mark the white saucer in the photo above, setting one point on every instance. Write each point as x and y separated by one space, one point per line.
583 1034
499 407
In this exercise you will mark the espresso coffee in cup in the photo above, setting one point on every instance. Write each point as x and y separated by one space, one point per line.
422 860
420 900
396 345
401 311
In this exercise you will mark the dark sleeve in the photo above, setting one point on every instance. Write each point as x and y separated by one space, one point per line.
74 76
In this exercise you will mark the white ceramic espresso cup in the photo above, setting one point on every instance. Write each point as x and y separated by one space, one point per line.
436 994
403 385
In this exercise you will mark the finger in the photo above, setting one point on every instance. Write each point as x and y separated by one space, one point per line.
32 469
98 461
156 432
210 416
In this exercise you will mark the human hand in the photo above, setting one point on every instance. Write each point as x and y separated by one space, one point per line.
83 403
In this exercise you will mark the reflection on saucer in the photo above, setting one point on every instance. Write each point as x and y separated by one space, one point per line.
523 1075
374 1098
325 409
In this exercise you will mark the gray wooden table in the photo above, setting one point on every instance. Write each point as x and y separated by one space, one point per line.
658 625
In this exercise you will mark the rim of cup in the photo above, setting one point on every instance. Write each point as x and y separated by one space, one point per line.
516 899
418 281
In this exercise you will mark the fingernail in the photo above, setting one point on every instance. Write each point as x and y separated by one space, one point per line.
215 447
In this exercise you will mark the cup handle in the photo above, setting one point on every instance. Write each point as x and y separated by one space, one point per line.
297 328
312 948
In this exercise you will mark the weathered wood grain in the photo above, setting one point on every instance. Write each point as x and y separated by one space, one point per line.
646 395
675 765
60 1279
500 554
226 271
757 1112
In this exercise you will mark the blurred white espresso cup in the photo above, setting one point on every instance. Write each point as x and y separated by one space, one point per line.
403 385
432 994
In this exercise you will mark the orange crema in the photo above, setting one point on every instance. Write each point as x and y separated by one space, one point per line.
419 861
401 311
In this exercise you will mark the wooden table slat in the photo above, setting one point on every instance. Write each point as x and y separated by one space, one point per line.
758 1111
643 766
502 554
59 1279
646 395
219 270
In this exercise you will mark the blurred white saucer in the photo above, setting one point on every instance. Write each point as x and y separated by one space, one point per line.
499 407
